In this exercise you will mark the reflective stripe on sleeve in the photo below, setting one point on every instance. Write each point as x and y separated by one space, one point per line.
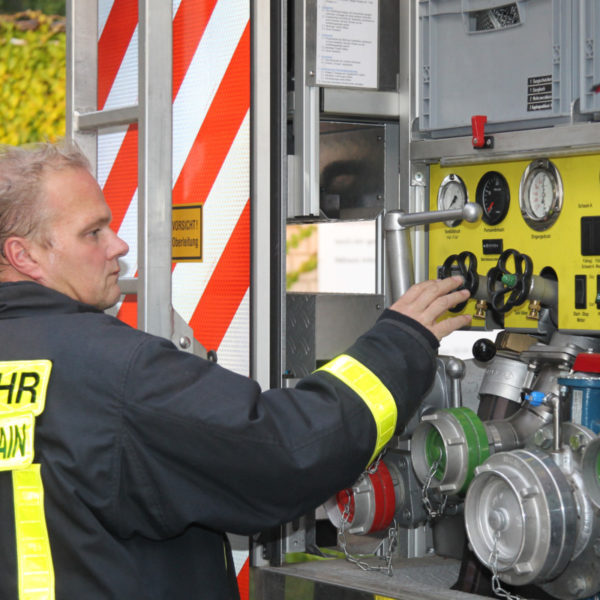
374 394
35 569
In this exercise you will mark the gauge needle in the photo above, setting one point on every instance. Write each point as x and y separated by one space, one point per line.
453 201
491 207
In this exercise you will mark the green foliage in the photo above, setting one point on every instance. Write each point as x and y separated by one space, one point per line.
302 234
49 7
32 78
308 265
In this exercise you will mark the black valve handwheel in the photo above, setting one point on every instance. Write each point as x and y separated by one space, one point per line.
466 264
513 287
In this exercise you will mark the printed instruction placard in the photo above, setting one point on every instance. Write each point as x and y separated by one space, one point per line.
347 257
187 233
347 45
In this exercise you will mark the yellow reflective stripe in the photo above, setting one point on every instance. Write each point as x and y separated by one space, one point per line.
375 395
35 569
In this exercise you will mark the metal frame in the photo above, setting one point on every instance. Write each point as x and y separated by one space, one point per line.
153 115
561 140
260 194
105 118
279 187
82 62
155 141
303 195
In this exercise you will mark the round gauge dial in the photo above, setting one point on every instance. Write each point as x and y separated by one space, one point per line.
452 194
541 194
493 195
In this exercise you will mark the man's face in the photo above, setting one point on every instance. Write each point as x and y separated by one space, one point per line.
81 260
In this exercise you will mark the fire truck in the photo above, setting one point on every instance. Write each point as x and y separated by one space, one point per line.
464 137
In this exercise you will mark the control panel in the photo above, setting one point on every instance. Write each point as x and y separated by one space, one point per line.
536 247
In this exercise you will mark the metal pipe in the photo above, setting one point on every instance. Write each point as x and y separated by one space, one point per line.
397 240
93 120
511 433
399 258
554 402
470 212
379 254
544 290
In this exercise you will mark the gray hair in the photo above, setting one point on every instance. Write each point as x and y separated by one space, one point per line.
22 173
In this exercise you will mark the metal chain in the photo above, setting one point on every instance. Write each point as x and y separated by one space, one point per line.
496 585
386 557
392 536
432 512
372 468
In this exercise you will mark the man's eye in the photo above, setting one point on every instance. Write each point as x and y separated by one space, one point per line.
95 232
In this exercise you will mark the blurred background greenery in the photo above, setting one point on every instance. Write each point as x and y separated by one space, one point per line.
32 71
48 7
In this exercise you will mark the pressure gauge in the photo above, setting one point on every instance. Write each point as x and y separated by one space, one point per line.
541 194
452 194
493 195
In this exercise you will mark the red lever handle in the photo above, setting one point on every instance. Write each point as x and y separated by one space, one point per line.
478 126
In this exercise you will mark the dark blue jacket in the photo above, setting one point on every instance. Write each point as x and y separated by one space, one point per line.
148 454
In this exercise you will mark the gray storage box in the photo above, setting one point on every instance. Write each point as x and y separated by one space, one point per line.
511 61
589 55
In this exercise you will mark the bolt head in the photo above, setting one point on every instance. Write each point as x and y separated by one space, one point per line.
577 585
577 442
542 439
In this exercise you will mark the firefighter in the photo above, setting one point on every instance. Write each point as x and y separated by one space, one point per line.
122 459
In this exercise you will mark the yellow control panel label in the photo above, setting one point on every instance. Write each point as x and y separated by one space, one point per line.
187 233
556 252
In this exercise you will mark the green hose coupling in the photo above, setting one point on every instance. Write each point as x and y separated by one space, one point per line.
447 446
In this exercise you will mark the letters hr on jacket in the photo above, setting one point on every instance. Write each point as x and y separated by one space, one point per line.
23 387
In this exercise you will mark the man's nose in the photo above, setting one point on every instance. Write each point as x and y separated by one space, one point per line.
119 247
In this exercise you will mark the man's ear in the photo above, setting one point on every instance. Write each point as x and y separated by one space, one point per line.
18 253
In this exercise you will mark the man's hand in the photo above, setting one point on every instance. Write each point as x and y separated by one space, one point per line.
425 302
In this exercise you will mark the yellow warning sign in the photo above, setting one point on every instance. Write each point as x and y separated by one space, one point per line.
187 233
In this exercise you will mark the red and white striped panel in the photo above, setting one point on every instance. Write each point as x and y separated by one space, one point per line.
211 142
211 91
